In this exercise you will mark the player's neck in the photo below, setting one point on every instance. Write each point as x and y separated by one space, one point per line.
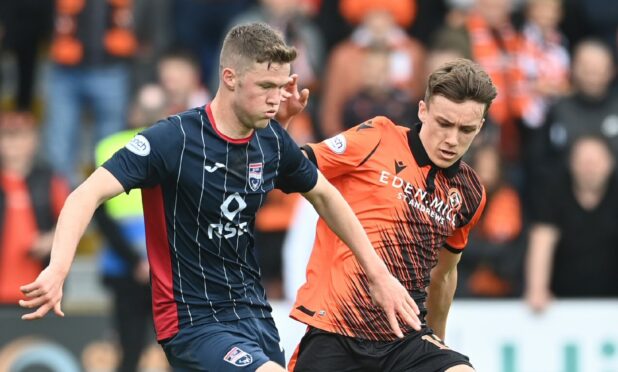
226 120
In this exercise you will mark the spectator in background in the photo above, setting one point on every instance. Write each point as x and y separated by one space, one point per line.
153 25
572 249
377 95
90 51
199 26
592 109
492 264
496 46
545 59
379 28
124 265
291 18
31 196
179 75
24 25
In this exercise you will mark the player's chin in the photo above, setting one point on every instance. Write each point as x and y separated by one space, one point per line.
262 123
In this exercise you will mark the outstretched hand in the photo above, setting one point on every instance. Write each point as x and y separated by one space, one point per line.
45 293
388 293
292 101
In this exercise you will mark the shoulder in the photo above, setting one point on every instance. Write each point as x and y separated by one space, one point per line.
470 186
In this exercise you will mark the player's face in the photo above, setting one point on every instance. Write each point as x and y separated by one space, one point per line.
449 128
258 93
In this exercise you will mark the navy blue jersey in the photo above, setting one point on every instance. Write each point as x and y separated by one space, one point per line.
201 191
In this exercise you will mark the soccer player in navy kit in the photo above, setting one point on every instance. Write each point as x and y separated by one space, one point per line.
204 174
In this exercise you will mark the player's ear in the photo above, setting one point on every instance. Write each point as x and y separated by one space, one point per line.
229 78
422 111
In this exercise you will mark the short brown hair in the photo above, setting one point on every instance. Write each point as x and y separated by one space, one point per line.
255 42
461 80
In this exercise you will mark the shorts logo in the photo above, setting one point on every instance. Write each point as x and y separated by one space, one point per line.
255 175
139 145
454 199
238 357
337 144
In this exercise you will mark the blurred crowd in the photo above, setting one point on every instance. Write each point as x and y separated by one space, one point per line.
78 78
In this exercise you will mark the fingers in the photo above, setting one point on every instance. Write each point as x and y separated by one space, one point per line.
25 289
304 96
41 311
58 310
35 302
409 317
34 293
392 321
413 305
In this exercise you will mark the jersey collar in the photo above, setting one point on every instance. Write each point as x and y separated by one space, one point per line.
421 156
237 141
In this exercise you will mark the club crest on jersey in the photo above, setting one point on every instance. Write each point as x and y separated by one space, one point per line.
238 357
454 199
255 175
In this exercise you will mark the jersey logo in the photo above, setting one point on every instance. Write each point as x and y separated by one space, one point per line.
454 199
365 125
337 144
255 175
399 166
238 357
139 145
212 168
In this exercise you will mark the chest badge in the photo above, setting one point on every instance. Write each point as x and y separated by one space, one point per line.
255 175
454 199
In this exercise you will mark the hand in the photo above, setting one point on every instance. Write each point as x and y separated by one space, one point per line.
538 300
141 273
388 293
45 293
292 102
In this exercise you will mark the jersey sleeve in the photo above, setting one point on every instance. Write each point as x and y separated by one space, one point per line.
458 240
296 173
344 152
149 158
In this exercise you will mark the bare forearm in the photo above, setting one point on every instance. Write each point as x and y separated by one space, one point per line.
76 215
342 221
72 222
439 299
539 260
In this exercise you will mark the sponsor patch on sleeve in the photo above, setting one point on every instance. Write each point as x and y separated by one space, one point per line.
139 145
337 143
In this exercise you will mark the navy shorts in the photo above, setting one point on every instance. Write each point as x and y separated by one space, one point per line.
239 345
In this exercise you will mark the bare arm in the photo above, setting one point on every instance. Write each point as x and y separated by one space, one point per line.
45 293
542 243
441 291
385 290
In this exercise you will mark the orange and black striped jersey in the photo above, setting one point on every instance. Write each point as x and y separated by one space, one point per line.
409 208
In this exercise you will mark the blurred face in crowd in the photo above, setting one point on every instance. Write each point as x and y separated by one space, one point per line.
591 164
149 106
545 13
495 12
487 166
257 91
178 77
379 23
593 69
449 128
376 71
281 8
18 145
